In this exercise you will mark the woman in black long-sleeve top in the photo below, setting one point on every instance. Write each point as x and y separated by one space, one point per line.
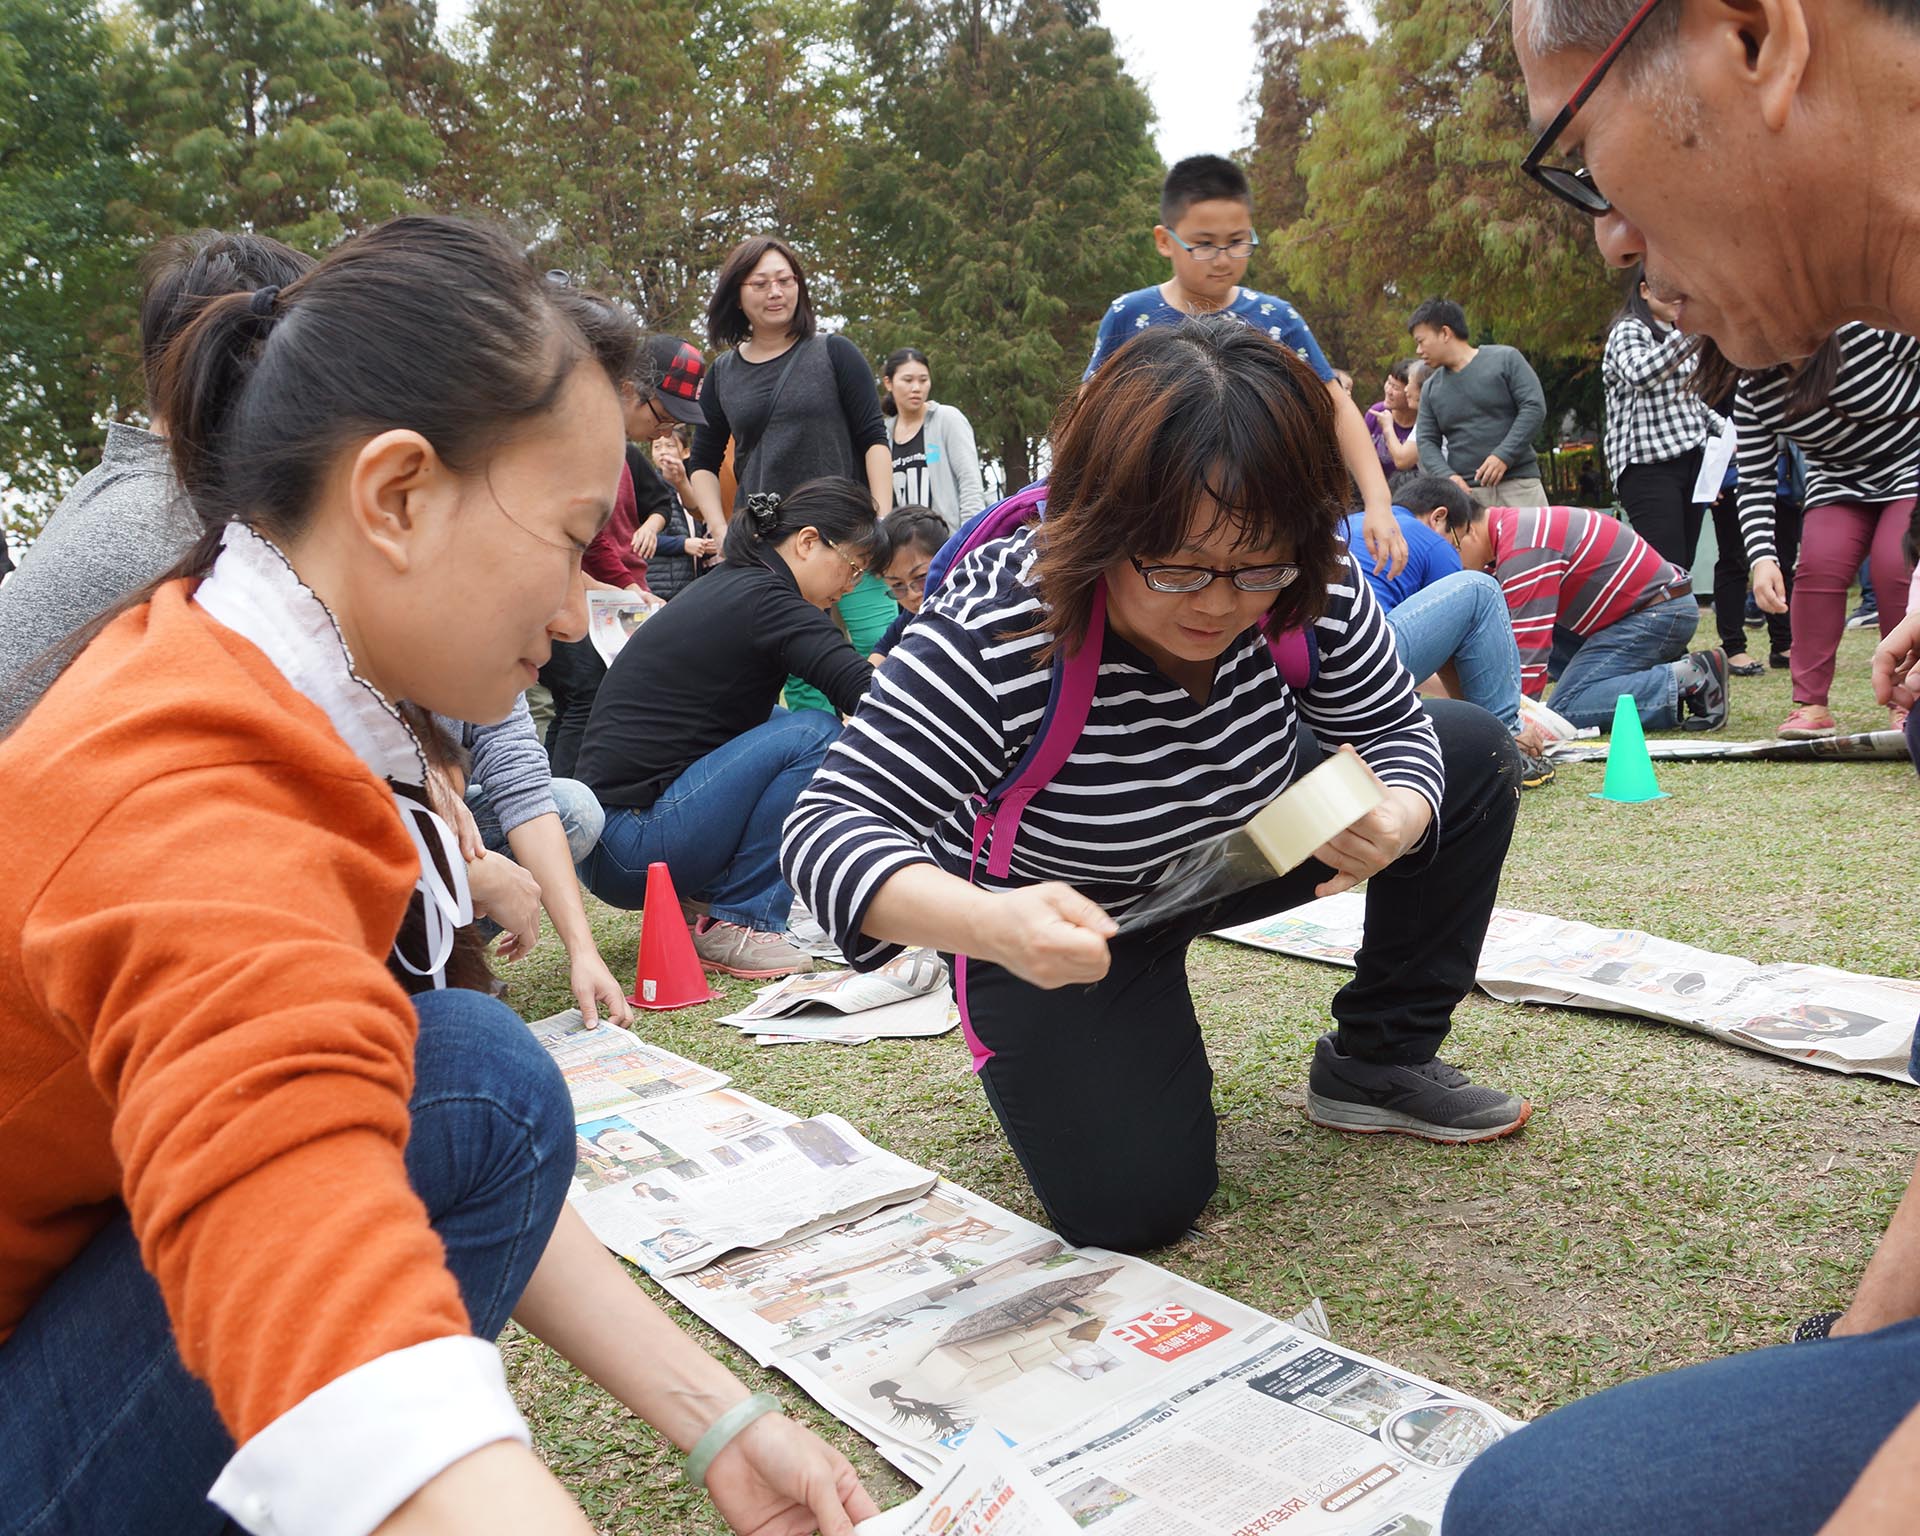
687 747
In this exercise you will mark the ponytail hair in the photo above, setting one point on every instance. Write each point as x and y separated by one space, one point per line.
838 509
895 361
437 325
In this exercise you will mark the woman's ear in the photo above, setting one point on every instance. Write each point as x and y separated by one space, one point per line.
399 493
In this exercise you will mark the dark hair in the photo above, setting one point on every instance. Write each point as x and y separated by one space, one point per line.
181 273
921 527
726 320
896 360
1206 418
437 324
1202 179
1398 372
1439 312
839 509
612 334
1716 379
1422 494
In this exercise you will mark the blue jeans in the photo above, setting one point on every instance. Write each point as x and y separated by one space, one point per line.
580 814
102 1430
1767 1441
717 826
1632 655
1463 618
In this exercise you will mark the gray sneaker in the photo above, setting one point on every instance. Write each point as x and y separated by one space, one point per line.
746 951
1433 1100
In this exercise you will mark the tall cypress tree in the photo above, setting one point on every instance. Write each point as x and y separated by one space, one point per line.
1003 193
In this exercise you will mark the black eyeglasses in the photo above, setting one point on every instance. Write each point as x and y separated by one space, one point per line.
1195 578
1574 184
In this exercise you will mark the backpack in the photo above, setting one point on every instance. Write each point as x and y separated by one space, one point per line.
998 812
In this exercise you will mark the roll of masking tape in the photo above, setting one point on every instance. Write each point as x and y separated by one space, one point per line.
1313 809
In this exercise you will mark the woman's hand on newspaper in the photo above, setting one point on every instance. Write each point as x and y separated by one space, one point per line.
1896 665
1049 935
505 892
595 990
776 1478
1374 841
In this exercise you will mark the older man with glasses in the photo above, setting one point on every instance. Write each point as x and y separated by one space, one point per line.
1758 156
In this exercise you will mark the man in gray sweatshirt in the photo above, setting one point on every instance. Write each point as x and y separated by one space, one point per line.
1479 410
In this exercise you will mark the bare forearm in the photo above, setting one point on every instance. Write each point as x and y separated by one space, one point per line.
880 478
923 906
1356 449
1890 1289
583 1304
540 848
704 487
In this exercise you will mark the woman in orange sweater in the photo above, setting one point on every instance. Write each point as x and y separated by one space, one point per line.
263 1212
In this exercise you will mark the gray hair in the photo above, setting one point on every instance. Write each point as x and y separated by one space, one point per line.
1588 26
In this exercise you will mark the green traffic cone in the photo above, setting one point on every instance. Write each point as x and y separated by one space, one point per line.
1630 777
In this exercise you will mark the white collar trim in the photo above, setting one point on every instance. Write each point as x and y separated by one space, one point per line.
257 594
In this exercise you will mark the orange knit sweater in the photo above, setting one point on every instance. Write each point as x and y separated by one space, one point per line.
196 1018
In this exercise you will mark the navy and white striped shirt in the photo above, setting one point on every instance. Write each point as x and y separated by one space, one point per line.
1862 445
1155 771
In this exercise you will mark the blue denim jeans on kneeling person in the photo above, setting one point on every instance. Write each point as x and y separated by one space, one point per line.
1633 655
1686 1450
1463 618
717 826
580 814
102 1428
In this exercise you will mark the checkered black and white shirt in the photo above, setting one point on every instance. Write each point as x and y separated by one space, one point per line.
1651 414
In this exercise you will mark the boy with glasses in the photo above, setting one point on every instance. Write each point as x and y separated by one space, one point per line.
1206 233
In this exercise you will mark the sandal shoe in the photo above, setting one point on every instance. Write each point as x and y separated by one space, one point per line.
1805 724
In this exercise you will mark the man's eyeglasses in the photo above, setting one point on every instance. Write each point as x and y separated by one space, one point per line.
762 284
1574 184
1196 578
1238 251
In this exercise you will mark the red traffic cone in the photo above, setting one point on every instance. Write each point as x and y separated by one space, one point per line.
670 974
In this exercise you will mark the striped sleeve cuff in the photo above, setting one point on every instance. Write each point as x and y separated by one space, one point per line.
344 1458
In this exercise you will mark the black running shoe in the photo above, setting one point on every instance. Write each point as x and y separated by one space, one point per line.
1535 771
1433 1100
1703 690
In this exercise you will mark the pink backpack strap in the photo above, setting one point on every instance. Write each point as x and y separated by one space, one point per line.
996 820
1296 657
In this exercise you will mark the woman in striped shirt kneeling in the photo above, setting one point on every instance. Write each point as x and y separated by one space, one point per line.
1197 483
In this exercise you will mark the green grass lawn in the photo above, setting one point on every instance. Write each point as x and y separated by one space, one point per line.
1672 1199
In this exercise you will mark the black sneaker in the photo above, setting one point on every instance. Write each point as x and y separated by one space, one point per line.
1866 616
1535 771
1433 1100
1703 690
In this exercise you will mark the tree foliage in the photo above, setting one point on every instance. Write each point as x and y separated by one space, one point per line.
636 141
67 191
1410 163
1003 190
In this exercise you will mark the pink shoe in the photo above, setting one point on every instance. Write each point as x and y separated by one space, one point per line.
1808 722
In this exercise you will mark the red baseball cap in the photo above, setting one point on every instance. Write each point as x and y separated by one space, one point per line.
679 371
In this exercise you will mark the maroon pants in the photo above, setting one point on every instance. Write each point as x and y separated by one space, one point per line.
1833 539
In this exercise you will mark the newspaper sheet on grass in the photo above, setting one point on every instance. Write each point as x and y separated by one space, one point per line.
1882 746
1812 1013
925 1324
983 1493
674 1186
608 1068
907 997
